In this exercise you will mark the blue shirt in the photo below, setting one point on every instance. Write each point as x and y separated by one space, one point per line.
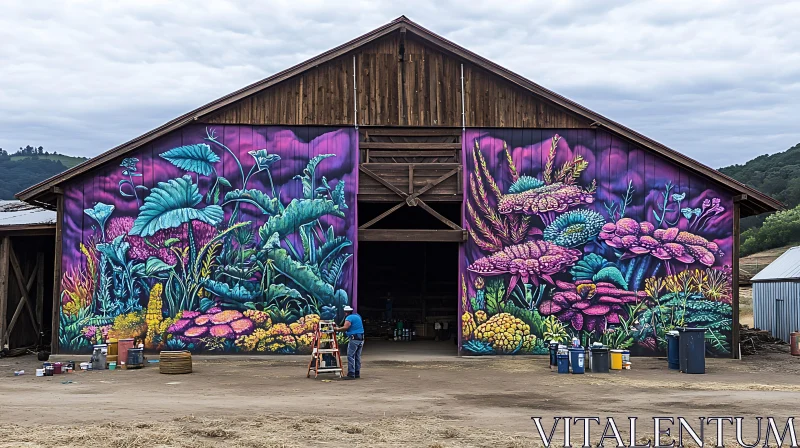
356 326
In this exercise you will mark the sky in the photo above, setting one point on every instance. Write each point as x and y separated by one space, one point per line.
716 80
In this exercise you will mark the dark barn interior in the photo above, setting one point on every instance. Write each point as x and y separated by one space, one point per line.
419 279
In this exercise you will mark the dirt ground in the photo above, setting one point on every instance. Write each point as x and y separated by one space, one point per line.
449 402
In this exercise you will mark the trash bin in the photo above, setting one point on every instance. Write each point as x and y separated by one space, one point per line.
576 359
692 351
563 363
673 361
600 360
553 354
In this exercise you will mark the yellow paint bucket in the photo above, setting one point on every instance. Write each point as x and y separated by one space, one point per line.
616 359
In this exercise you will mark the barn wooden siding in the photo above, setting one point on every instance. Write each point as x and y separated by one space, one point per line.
400 82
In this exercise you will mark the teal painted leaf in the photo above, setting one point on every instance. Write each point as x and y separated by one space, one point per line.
308 175
241 292
525 183
331 247
296 214
154 267
611 274
338 195
169 242
303 277
588 266
333 273
687 212
100 213
116 251
224 181
267 205
171 205
197 158
279 290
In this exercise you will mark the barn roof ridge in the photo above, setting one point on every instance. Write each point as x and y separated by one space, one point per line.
756 201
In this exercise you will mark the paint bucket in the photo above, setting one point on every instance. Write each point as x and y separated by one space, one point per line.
48 371
616 359
112 365
84 366
39 372
626 366
626 357
563 363
57 368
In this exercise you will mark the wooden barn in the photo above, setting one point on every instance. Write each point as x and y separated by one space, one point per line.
459 207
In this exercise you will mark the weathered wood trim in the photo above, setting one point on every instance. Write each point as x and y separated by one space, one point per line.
735 286
56 312
418 146
374 220
384 131
5 246
455 236
40 290
28 229
24 291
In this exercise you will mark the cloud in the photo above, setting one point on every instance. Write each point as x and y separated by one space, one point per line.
719 81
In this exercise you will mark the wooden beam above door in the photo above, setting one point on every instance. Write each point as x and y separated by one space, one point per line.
408 235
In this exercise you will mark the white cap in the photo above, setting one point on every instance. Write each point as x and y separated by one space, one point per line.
348 308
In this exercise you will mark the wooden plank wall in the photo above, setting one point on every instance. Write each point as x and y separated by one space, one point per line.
424 89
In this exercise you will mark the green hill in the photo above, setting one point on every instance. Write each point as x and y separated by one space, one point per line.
777 175
67 161
29 166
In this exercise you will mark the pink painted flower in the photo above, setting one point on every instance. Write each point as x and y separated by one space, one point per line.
589 306
555 197
664 244
528 262
178 237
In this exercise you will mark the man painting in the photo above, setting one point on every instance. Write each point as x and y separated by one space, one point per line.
354 329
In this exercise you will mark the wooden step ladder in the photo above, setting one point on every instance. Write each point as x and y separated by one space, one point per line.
325 344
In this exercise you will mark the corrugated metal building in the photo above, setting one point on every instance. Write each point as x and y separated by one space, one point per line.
776 295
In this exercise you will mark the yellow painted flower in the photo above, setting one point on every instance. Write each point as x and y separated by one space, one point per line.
467 326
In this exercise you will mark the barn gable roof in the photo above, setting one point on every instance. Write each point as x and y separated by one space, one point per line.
751 200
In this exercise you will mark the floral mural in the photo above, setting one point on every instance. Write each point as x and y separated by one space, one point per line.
214 239
580 234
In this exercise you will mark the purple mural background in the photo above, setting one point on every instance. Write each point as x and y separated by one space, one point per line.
146 299
625 247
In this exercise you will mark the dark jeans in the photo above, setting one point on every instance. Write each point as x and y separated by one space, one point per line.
354 357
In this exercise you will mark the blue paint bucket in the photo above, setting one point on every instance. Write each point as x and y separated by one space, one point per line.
563 363
576 355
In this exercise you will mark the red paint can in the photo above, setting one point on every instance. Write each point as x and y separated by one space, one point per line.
57 368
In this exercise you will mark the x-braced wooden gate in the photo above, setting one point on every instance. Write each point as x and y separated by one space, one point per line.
412 167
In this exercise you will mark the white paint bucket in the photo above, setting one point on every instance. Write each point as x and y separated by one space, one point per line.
39 372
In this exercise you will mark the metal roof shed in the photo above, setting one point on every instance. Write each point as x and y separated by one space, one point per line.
776 295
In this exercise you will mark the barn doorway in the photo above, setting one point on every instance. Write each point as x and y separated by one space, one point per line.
408 290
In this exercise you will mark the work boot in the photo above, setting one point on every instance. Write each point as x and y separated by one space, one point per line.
358 375
348 377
